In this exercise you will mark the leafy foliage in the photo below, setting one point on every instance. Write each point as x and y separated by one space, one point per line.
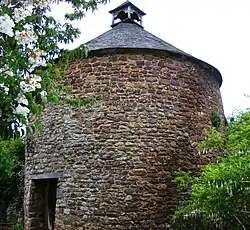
10 150
29 47
220 196
30 63
215 118
18 227
11 181
216 140
20 100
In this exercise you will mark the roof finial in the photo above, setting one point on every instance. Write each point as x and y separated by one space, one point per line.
128 13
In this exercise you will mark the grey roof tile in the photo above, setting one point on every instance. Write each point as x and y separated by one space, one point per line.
130 35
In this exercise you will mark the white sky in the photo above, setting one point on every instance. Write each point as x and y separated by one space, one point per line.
215 31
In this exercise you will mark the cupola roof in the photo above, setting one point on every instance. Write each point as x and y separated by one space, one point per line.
128 13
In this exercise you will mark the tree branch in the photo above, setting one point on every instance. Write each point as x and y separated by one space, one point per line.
240 222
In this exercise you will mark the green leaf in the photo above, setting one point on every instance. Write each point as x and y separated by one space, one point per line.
39 125
57 72
222 191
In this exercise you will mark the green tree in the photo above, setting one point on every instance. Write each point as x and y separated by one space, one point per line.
29 40
29 70
11 182
220 195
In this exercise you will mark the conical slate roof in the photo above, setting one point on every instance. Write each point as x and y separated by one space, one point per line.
130 35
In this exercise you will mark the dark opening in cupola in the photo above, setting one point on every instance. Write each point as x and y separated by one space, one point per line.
127 13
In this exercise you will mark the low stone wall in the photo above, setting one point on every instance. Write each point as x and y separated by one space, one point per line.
118 157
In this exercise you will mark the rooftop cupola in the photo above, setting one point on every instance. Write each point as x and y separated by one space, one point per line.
127 13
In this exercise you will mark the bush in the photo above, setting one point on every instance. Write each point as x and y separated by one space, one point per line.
220 196
11 179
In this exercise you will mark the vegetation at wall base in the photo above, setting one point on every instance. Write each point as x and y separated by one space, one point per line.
219 198
18 227
11 179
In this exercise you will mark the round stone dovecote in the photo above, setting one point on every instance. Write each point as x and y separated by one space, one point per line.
111 165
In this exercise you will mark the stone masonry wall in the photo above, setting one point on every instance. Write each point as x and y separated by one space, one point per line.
119 156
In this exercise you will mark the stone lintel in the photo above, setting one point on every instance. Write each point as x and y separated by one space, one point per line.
45 176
